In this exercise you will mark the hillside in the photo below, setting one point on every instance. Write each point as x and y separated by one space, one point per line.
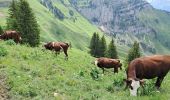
34 74
77 32
129 20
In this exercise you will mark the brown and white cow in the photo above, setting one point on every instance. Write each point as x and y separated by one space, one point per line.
147 68
57 47
11 35
108 63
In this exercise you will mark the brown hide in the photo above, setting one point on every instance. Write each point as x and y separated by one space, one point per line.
11 35
149 67
108 63
58 46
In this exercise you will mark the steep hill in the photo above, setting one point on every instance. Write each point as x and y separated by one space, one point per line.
73 28
129 20
34 74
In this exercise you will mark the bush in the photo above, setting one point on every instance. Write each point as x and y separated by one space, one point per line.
94 74
148 88
10 42
3 51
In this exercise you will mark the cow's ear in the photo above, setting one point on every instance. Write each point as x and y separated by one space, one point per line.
142 82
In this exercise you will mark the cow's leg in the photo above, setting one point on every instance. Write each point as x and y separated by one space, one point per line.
66 55
102 69
115 70
158 82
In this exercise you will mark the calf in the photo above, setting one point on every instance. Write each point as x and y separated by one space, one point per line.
147 68
57 47
11 35
108 63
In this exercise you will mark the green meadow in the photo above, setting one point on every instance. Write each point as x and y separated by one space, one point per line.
36 74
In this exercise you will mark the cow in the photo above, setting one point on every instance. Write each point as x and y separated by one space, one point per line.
11 35
104 62
148 67
57 47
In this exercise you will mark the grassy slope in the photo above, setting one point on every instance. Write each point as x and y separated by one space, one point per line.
150 17
36 75
52 29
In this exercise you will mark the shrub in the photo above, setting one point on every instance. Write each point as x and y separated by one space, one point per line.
94 74
148 88
10 42
3 51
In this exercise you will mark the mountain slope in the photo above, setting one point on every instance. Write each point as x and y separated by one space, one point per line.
36 74
125 20
52 29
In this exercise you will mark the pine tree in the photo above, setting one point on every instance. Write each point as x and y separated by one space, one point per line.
94 45
134 52
12 18
97 45
1 30
112 52
27 24
102 47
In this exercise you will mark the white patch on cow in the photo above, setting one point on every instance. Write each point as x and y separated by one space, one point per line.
53 44
135 85
96 62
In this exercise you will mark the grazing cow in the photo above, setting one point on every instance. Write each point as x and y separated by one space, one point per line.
147 68
57 47
108 63
11 35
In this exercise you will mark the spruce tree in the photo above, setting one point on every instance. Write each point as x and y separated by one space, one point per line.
12 18
102 47
27 24
134 52
1 30
112 52
94 45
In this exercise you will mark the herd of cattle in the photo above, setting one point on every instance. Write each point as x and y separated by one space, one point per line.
149 67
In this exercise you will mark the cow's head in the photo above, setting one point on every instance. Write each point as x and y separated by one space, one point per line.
95 62
133 85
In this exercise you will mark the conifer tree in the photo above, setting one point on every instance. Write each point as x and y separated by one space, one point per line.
134 52
94 45
112 52
97 46
12 18
1 30
27 24
102 47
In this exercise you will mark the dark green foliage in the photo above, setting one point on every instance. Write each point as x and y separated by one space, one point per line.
12 18
134 52
3 51
71 13
94 45
1 30
94 74
58 13
10 42
27 23
112 52
102 47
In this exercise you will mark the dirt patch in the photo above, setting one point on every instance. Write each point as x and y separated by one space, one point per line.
1 14
3 87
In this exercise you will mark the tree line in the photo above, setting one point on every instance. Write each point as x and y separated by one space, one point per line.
98 48
22 19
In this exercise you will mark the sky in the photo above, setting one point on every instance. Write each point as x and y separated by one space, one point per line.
160 4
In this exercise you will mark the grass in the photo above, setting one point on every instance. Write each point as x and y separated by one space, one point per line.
35 74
